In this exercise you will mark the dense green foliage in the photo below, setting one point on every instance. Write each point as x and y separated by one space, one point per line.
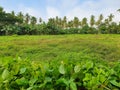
11 23
18 74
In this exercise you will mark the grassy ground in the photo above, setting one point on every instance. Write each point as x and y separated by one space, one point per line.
61 47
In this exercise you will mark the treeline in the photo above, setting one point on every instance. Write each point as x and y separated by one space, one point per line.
20 24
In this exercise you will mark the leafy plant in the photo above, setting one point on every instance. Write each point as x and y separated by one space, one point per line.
66 75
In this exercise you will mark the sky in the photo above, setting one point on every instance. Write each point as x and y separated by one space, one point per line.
70 8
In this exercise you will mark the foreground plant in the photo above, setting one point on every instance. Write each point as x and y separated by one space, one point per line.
21 74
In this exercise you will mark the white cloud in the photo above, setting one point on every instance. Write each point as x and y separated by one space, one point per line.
70 8
52 12
86 9
90 7
69 3
81 9
30 10
7 10
77 11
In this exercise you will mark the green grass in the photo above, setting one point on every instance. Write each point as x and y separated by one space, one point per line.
61 47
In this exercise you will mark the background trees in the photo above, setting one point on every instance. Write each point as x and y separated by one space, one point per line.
92 20
12 23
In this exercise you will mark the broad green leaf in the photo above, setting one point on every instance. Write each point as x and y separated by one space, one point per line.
73 86
87 77
102 78
30 88
22 70
22 81
63 80
42 85
48 79
89 65
15 69
32 81
76 68
5 74
62 69
94 82
115 83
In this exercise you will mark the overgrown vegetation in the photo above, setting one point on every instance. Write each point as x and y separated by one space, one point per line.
11 23
83 74
55 47
60 62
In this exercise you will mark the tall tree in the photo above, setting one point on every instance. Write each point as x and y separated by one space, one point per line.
80 23
70 24
1 15
27 18
110 17
33 20
84 22
21 17
76 22
13 13
92 20
106 22
7 18
101 17
57 20
40 20
64 22
60 22
99 20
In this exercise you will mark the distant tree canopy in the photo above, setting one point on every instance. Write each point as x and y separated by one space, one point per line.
11 23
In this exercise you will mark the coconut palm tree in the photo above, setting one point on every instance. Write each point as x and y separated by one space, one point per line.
76 22
33 20
40 20
27 18
70 24
57 21
84 22
60 22
110 17
99 20
107 22
92 20
13 13
64 22
21 17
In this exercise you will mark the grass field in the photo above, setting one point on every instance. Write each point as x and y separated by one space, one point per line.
61 47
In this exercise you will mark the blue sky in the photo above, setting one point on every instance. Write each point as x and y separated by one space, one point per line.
69 8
